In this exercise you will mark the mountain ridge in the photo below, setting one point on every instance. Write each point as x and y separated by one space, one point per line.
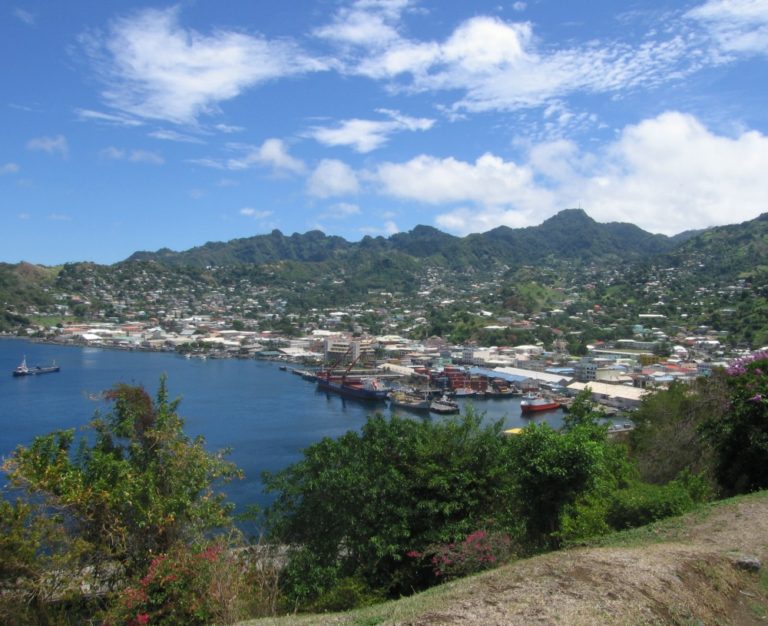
571 234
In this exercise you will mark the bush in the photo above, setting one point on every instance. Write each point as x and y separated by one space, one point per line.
191 587
348 593
479 551
643 503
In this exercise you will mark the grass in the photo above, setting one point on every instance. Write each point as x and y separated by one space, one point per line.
50 320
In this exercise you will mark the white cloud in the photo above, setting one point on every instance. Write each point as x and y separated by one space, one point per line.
257 215
501 65
134 156
388 228
666 174
467 220
154 68
367 135
670 174
228 128
51 145
332 178
366 22
391 228
172 135
737 25
489 181
60 217
107 118
9 168
340 210
145 156
273 153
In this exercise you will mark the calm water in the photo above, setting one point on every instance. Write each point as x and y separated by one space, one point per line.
266 416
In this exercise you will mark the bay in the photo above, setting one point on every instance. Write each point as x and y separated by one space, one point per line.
265 416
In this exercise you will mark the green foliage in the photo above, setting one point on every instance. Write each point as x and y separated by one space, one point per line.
552 470
740 434
141 486
347 593
643 503
306 577
360 503
41 569
582 412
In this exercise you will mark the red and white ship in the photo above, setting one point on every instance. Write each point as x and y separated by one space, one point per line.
535 402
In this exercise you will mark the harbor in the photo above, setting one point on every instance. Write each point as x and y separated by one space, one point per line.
265 416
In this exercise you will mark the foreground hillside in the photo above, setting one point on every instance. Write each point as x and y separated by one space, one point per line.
685 570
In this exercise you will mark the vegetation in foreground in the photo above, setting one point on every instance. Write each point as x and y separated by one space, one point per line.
125 526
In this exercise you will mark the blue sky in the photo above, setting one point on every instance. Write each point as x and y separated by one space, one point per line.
139 125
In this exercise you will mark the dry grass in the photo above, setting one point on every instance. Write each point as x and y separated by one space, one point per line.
680 571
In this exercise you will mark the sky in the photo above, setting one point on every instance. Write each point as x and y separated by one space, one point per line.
140 125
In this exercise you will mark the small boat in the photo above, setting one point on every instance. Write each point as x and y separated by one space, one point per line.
535 402
24 370
444 405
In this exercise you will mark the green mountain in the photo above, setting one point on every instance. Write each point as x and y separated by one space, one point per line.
716 277
570 235
23 286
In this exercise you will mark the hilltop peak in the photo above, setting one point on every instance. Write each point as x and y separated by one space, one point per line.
570 216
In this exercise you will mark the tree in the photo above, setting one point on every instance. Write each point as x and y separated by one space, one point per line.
667 438
552 470
140 487
358 505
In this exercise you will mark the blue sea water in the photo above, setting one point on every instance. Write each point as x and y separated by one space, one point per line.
264 415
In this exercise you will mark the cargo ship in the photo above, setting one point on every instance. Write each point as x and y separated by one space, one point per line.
24 370
362 389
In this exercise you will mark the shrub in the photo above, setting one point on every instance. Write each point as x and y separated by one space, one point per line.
643 503
479 551
348 593
213 584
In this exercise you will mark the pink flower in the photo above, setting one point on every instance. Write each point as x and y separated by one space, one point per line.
142 618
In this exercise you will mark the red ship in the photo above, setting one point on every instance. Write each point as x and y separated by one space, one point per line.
533 403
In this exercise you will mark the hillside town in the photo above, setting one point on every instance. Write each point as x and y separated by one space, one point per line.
246 322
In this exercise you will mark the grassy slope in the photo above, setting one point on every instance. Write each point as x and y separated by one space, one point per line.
679 571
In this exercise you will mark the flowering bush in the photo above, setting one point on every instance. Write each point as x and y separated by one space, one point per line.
740 435
480 550
182 587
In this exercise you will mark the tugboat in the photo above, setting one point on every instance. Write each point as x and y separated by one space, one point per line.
534 402
409 400
23 370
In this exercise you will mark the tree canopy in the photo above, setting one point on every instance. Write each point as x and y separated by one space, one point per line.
136 486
